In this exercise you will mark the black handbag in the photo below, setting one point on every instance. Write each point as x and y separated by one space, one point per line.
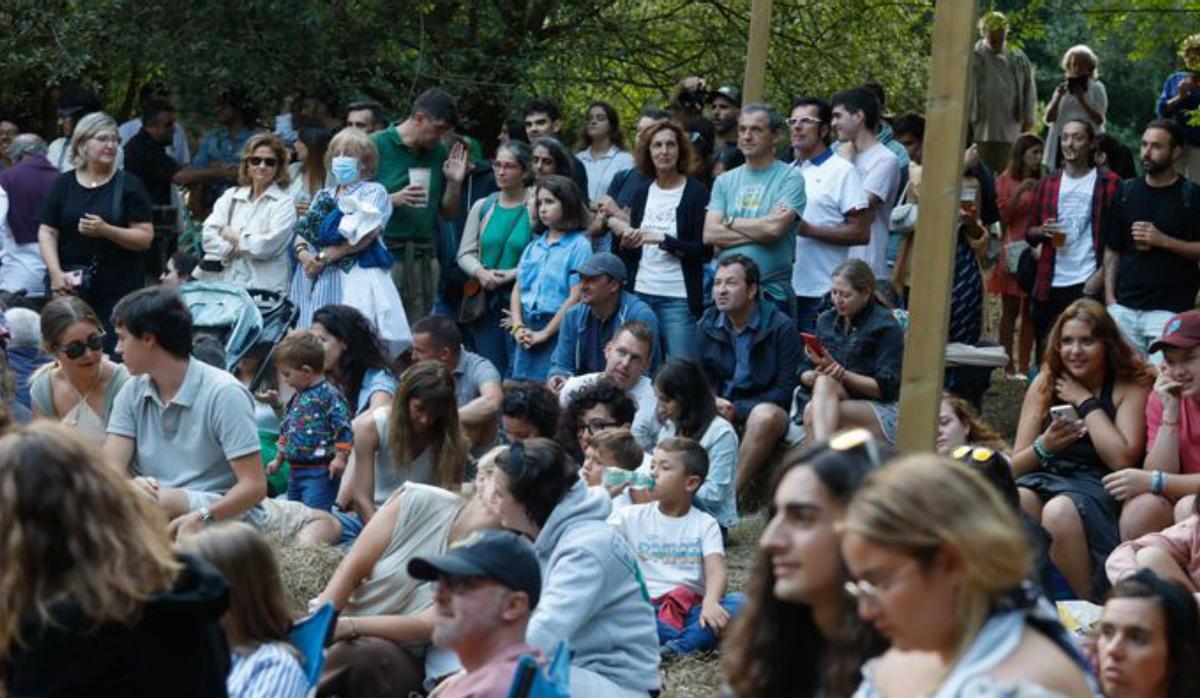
1027 270
86 273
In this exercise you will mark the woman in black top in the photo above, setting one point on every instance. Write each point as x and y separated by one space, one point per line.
95 222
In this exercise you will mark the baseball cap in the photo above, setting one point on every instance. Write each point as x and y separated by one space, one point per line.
729 92
1181 331
602 263
502 555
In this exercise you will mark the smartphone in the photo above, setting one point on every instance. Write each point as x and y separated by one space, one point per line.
811 341
1065 413
75 278
1077 84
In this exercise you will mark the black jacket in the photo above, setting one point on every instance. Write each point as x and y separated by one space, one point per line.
774 360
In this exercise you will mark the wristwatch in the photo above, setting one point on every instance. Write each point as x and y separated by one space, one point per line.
727 221
206 515
321 256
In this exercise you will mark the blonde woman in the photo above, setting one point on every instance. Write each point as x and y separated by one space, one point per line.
246 236
95 223
939 561
92 600
1080 97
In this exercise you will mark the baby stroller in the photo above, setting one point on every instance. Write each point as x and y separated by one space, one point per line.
240 320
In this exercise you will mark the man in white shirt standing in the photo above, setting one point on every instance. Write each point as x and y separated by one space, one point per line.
836 215
855 121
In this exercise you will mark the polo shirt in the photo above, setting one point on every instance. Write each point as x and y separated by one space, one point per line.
833 190
189 442
473 372
408 223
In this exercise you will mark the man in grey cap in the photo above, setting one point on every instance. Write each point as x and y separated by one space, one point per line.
726 106
589 325
487 587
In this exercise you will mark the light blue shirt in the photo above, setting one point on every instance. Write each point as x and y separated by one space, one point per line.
376 380
271 671
218 148
545 273
746 193
717 495
601 170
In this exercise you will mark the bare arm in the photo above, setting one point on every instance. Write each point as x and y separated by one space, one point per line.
48 246
1120 442
399 629
484 408
766 229
854 230
363 556
366 446
250 488
1111 259
1024 458
118 450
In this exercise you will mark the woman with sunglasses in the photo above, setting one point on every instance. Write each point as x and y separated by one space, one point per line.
245 238
79 386
497 230
940 562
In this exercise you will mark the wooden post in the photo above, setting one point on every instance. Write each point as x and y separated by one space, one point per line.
756 51
933 255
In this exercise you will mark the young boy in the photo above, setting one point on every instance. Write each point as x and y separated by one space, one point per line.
616 448
315 435
680 551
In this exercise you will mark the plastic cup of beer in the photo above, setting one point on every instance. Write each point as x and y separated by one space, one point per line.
1138 244
421 177
966 199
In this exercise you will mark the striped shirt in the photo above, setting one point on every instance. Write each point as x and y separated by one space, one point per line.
271 671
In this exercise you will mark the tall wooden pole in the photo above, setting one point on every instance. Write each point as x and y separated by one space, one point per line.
933 254
756 51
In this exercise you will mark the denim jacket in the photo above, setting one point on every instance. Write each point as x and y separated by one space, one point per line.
873 346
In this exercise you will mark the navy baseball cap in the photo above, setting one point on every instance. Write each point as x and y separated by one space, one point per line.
494 553
602 263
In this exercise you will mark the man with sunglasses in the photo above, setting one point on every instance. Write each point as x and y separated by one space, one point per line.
836 214
486 589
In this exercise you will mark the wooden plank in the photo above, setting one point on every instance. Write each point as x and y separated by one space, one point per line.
756 51
933 250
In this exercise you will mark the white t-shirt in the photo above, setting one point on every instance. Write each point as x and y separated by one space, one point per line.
670 550
659 273
1075 261
834 189
645 422
879 170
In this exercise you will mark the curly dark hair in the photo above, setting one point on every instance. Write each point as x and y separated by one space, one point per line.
533 403
363 350
602 392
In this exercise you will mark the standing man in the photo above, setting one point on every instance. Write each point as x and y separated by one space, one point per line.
22 189
220 151
1004 94
726 107
146 156
836 215
1150 269
1072 206
542 120
422 179
366 116
754 208
1180 98
855 119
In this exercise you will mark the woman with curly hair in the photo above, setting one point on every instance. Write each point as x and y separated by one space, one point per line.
354 357
601 405
92 599
799 635
1083 417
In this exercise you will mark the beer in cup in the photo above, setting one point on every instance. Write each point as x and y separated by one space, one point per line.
421 177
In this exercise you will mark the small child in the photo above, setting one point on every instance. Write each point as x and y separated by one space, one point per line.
680 552
612 448
315 435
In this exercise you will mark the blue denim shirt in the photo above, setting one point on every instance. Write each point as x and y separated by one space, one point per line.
545 274
582 336
218 148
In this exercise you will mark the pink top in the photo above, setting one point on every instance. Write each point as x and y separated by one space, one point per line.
1188 428
1014 214
494 679
1181 542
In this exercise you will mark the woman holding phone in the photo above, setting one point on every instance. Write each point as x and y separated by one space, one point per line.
1083 417
855 360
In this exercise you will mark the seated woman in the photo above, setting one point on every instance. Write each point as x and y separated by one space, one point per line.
939 561
687 407
381 643
528 410
247 234
798 634
601 405
258 620
354 357
855 378
591 593
958 425
92 600
1148 642
79 387
1095 377
415 439
1173 553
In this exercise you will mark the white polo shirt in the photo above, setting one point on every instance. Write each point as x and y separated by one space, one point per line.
834 190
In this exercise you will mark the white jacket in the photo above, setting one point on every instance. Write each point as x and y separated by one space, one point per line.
260 257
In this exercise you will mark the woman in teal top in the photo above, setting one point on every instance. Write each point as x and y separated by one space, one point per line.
497 230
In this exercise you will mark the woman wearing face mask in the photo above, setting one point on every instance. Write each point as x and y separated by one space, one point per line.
340 258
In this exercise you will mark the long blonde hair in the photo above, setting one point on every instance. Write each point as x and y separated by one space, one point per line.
433 384
73 528
921 505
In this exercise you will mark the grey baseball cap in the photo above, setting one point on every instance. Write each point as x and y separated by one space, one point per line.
602 263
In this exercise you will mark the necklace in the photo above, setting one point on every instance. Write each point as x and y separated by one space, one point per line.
73 413
94 182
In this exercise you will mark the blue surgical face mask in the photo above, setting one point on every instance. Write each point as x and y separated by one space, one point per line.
344 169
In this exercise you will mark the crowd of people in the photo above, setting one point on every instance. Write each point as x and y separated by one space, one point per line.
531 397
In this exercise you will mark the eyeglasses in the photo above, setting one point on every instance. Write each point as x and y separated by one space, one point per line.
256 161
597 425
107 140
76 349
503 166
865 591
803 120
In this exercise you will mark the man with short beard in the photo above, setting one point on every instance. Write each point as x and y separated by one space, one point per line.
726 104
1150 271
486 589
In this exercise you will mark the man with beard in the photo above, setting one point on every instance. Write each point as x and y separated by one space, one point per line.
1150 271
726 106
1072 205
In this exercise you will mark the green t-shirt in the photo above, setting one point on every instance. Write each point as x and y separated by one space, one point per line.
409 224
508 227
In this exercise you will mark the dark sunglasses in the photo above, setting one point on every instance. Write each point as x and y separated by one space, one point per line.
256 161
76 349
